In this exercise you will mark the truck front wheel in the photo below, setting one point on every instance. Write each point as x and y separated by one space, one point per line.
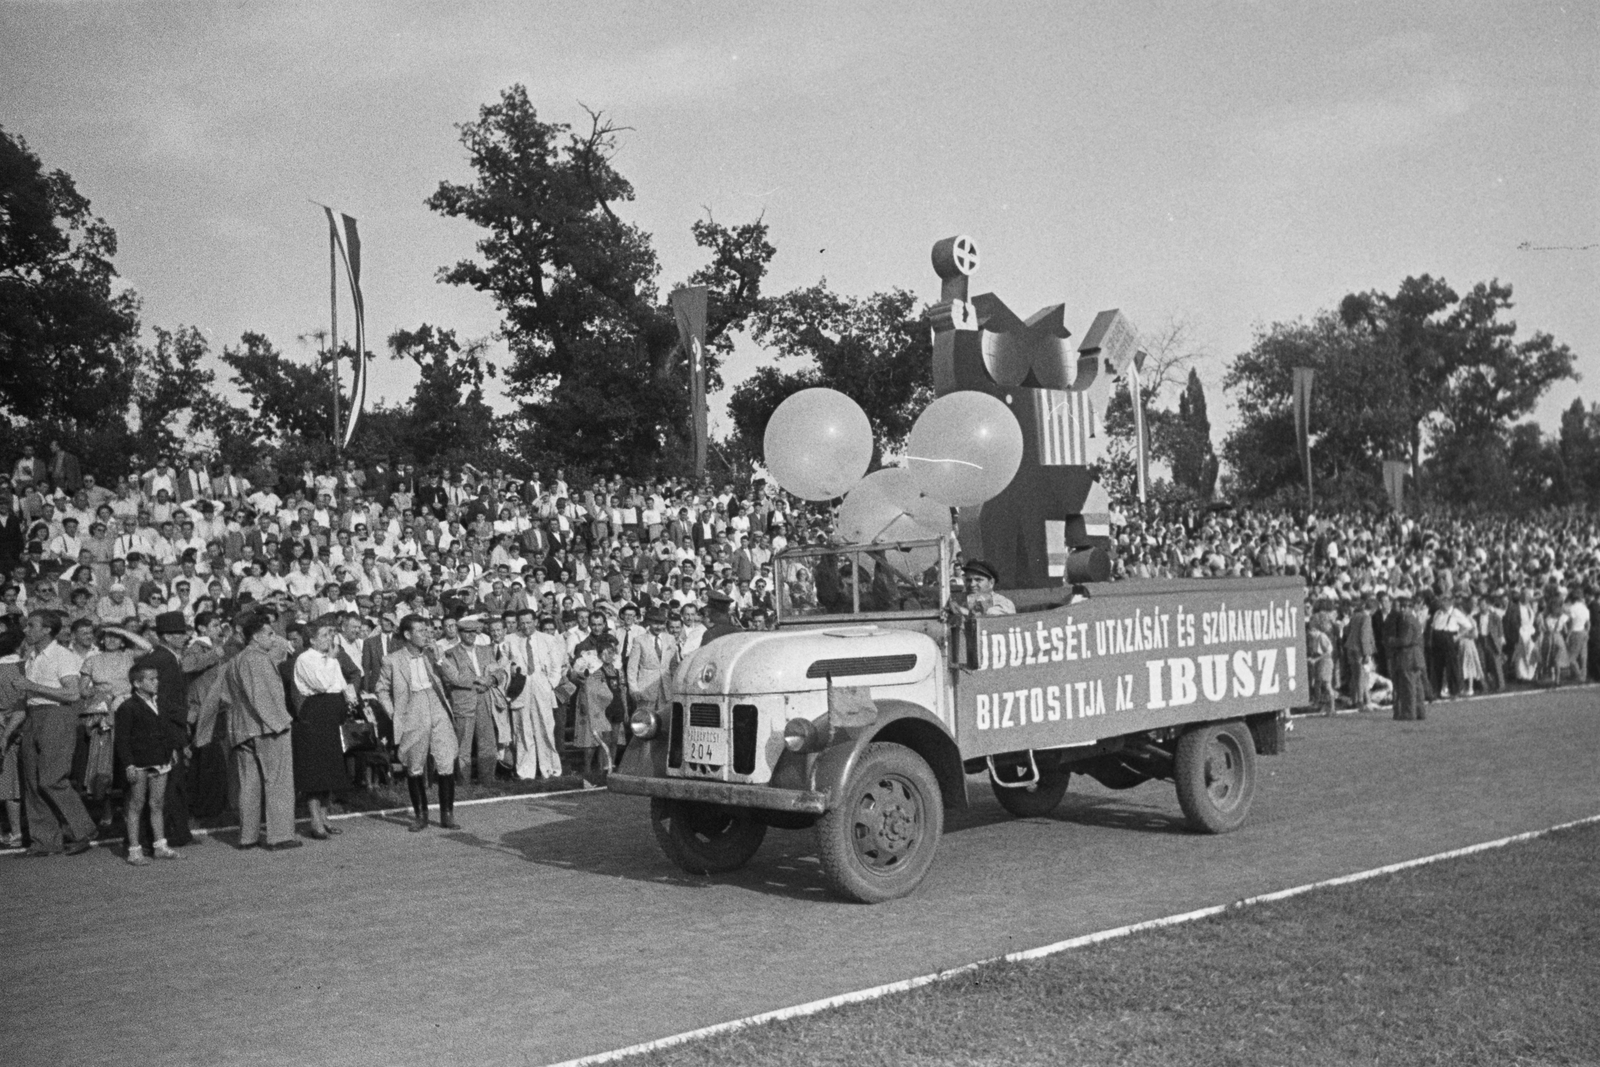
878 841
705 838
1215 768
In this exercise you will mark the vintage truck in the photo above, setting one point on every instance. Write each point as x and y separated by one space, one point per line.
862 714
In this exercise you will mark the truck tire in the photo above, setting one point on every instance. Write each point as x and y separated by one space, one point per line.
878 841
705 838
1215 768
1035 801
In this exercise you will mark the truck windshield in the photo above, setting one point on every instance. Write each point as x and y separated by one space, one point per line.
898 578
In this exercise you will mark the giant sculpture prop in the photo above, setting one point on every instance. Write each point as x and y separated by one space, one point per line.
1010 441
1053 507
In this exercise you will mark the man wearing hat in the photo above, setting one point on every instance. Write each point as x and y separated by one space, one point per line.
981 597
1403 635
651 659
719 609
172 701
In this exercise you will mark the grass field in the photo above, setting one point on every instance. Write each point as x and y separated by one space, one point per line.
1488 959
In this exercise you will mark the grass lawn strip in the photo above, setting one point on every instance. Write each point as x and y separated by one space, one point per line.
1488 960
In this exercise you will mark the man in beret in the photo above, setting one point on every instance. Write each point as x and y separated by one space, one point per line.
981 597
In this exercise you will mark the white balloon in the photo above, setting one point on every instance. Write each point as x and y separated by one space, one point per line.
818 444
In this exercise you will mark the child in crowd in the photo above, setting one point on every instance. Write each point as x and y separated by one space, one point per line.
144 748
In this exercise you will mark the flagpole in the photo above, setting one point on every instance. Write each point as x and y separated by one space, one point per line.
333 331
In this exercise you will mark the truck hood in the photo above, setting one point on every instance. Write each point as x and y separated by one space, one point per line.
788 661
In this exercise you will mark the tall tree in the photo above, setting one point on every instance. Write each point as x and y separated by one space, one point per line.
876 350
1392 373
66 329
448 417
597 370
1185 442
172 393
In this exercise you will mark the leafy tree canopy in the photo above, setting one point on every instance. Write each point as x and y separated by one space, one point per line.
876 350
598 373
65 329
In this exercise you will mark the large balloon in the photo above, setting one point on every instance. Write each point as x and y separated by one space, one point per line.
818 444
964 448
888 506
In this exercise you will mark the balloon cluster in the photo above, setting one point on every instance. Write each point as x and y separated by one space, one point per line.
964 449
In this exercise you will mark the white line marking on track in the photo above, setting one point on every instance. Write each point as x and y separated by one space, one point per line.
904 985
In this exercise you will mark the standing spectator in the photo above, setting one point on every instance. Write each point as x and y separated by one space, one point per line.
29 470
1410 675
469 673
414 697
65 470
259 726
107 680
324 696
146 758
49 737
649 668
1491 643
172 634
13 710
1577 613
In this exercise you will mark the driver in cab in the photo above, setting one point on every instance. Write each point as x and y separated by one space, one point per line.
981 599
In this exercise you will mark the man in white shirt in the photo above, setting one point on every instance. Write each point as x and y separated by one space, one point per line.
693 629
49 737
1578 620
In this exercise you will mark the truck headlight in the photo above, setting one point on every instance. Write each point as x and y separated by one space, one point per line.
802 735
644 724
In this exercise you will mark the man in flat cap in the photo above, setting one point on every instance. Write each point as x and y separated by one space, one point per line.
719 610
981 597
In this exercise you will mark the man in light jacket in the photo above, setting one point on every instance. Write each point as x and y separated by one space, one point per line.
258 729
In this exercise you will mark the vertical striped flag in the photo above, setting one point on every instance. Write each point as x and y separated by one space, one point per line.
689 311
1394 480
1141 443
1066 425
348 245
1302 423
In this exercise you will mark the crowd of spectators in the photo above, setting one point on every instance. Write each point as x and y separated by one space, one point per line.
195 638
1496 599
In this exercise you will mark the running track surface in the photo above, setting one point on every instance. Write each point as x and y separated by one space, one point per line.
551 928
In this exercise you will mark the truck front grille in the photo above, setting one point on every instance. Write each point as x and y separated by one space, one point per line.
675 737
744 738
705 715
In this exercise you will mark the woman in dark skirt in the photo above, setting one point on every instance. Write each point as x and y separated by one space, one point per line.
323 696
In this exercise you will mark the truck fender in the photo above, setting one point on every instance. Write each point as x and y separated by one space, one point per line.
897 722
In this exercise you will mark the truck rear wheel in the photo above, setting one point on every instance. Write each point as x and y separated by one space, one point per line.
878 842
1033 801
705 838
1215 768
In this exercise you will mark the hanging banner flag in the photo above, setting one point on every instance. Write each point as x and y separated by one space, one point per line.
1141 444
689 310
348 246
1394 480
1302 423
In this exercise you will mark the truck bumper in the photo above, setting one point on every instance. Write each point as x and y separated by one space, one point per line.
733 794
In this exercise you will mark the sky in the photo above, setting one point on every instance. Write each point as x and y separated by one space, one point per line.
1224 164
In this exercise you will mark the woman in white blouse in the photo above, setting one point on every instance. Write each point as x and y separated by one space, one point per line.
321 695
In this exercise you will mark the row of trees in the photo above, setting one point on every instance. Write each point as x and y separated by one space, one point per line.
598 381
1425 375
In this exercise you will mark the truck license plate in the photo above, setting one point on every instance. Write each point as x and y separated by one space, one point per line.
705 744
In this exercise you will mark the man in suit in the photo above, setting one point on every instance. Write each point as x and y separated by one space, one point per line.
1491 640
413 695
13 538
374 650
469 673
258 729
1410 673
1360 649
229 486
650 662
